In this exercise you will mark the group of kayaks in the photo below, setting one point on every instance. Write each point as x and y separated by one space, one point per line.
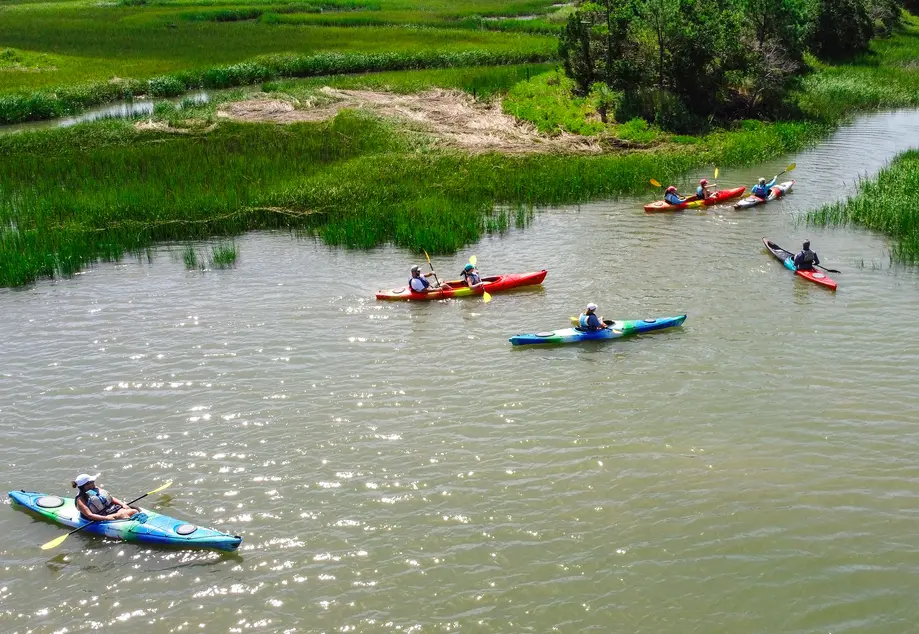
150 527
498 283
722 196
775 192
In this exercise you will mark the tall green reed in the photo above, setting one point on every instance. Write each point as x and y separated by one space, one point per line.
888 204
98 191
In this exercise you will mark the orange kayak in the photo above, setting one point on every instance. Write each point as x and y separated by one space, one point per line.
695 203
493 284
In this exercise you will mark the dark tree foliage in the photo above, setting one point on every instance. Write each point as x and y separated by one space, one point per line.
576 49
683 63
597 44
842 29
885 15
783 23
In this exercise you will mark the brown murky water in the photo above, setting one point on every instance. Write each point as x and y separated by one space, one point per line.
400 468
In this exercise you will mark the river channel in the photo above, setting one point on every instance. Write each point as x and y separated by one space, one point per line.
398 467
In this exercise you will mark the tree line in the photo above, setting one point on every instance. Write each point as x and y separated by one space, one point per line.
686 63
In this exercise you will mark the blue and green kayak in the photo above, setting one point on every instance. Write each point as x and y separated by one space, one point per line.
617 328
153 528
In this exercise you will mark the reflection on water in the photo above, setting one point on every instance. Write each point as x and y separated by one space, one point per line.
396 467
114 110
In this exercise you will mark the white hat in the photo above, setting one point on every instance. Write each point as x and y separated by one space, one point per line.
416 268
85 478
591 306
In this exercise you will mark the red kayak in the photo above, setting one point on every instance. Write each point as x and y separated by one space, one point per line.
787 258
693 203
494 284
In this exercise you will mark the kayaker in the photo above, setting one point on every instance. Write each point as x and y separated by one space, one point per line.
471 275
704 190
588 321
95 503
672 197
806 259
761 189
419 284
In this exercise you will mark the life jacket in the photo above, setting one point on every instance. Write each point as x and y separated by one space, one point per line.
672 198
582 322
100 502
760 190
471 278
700 193
424 283
805 260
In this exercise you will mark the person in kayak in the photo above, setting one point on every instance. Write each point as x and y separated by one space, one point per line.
419 284
704 190
806 259
471 276
95 503
672 197
761 189
589 322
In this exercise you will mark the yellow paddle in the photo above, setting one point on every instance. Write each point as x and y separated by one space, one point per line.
655 183
434 272
57 541
485 296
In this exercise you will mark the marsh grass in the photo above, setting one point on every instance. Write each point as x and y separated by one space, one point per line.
888 204
885 77
190 258
224 255
16 108
97 191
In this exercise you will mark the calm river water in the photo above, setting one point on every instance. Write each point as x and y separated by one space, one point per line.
400 468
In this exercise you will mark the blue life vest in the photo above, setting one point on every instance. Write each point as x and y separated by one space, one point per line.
471 278
699 193
100 502
760 190
672 198
424 284
589 322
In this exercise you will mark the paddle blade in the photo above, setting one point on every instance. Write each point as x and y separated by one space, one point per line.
716 172
473 260
655 183
486 297
426 256
791 167
54 543
165 486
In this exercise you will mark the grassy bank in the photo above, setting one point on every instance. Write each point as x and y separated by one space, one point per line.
886 77
889 204
56 59
72 196
19 107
